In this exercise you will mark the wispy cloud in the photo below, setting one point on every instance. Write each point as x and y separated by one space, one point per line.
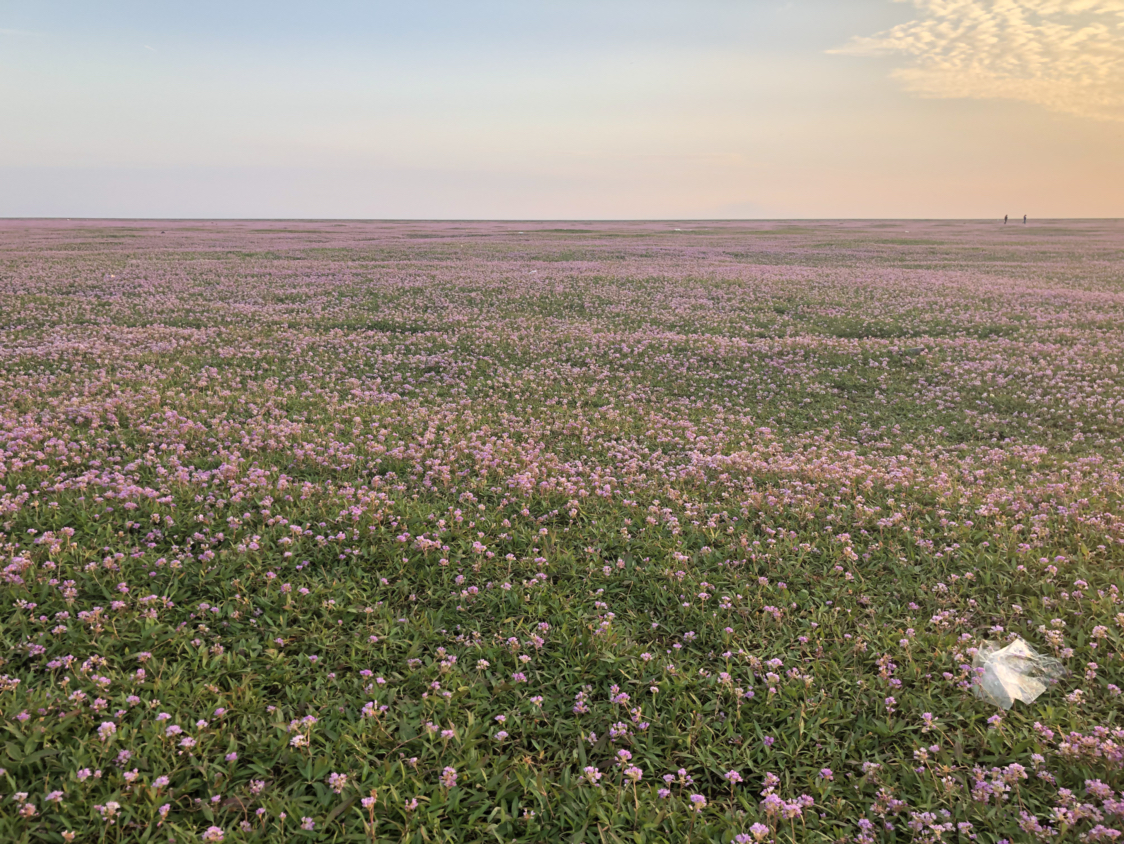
1065 55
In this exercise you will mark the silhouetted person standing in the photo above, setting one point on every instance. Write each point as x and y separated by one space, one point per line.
1024 219
1004 219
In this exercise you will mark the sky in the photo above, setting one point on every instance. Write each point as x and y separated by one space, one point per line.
562 109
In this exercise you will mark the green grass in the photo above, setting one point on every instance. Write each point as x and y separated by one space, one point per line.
777 513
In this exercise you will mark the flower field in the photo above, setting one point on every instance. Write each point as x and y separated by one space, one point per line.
467 532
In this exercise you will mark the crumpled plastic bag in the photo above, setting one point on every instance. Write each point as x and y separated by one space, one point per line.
1013 672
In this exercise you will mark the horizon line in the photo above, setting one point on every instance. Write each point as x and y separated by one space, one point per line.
546 219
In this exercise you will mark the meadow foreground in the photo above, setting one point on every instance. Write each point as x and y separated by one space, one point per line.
472 532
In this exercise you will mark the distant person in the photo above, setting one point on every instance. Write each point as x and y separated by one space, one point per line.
1024 219
1004 219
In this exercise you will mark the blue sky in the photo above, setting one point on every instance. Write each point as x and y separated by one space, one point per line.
609 109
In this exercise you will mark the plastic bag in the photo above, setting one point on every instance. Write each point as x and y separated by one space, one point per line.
1013 672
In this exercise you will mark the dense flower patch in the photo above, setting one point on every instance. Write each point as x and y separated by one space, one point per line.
479 532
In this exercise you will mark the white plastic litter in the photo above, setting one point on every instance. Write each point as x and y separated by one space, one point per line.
1013 672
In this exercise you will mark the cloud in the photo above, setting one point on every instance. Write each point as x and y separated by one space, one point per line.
1064 55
